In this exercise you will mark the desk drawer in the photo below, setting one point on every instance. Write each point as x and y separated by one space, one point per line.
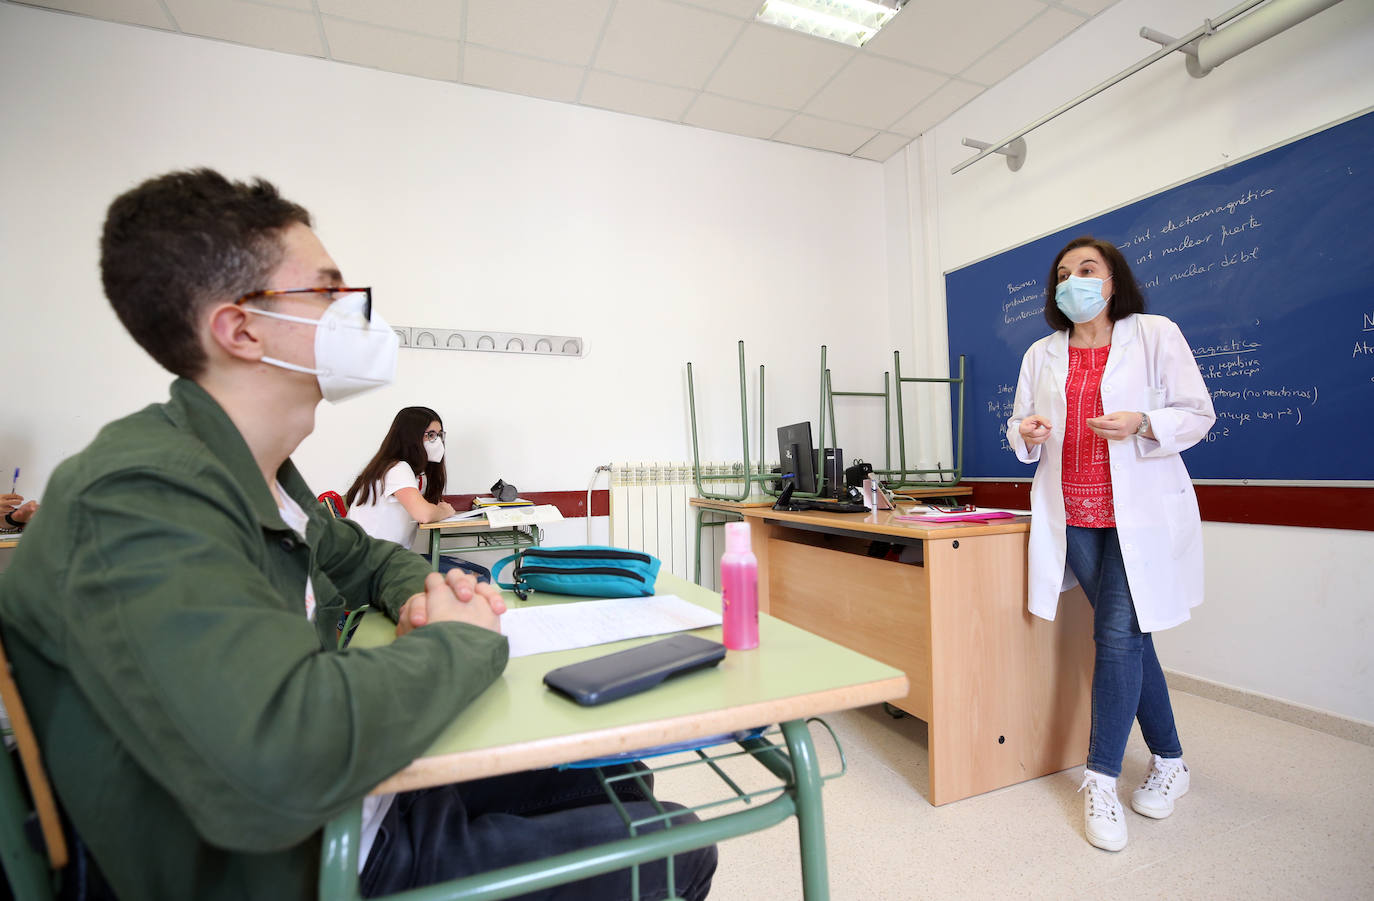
876 607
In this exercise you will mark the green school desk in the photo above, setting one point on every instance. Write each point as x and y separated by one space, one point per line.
518 724
483 537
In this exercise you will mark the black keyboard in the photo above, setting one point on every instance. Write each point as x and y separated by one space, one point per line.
800 503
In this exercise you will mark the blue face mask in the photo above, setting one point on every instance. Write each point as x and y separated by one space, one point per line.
1080 299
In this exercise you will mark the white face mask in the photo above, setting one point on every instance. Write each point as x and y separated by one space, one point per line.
434 450
352 355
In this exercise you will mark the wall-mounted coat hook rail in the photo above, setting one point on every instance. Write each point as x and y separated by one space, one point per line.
420 338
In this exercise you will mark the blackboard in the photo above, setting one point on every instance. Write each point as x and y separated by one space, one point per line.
1267 266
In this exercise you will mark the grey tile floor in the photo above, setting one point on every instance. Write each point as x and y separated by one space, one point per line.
1275 811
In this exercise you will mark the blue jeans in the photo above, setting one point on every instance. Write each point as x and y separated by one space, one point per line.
1128 683
442 833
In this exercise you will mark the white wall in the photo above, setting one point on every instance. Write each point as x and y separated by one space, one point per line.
464 208
1288 610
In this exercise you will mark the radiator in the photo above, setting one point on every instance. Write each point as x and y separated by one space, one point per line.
650 511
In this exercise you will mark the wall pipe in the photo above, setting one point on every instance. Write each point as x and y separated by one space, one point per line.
1221 46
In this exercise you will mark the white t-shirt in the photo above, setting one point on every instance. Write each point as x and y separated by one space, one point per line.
374 806
383 516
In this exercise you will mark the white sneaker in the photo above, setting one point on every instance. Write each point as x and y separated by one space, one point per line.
1104 820
1165 783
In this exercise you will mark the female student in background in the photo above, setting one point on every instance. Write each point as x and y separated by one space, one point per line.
403 485
1104 406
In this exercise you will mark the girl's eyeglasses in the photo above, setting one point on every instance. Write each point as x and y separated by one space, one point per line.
431 435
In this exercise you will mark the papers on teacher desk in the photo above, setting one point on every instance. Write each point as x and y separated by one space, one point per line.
581 624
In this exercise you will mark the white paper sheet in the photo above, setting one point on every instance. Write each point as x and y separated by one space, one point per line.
505 517
581 624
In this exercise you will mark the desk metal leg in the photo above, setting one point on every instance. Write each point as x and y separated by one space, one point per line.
434 536
810 815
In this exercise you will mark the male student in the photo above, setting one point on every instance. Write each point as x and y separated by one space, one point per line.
172 614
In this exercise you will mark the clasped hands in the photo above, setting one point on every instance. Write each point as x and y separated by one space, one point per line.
1034 429
456 597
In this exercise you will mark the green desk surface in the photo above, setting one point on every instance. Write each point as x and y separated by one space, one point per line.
519 724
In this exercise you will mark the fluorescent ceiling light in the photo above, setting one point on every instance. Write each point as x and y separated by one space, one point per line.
848 21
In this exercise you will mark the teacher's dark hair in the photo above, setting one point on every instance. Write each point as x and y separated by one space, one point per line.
182 241
1127 298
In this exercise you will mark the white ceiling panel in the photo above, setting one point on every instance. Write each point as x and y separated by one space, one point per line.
948 35
936 107
565 31
666 42
774 67
435 18
882 146
809 131
1089 7
394 51
1039 35
268 27
629 95
132 12
740 9
735 116
704 63
874 92
520 74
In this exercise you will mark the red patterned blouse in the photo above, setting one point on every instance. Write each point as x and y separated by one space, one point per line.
1087 468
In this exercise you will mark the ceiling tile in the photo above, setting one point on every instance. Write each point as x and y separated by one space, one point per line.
435 18
394 51
735 116
134 12
882 146
774 67
740 9
874 92
565 31
665 42
936 107
629 95
1043 32
520 74
809 131
268 27
1089 7
948 35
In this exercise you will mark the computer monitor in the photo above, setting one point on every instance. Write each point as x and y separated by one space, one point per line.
796 457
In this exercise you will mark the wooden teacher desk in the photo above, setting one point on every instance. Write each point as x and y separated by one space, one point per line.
1006 695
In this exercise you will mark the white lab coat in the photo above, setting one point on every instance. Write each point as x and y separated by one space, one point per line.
1150 369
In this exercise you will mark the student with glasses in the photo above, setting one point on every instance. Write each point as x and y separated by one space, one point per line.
403 485
171 616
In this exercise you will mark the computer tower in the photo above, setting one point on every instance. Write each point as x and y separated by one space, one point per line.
833 469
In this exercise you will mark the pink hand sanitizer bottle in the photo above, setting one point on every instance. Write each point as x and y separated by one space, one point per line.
739 581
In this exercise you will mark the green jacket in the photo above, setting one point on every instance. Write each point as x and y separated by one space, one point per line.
198 728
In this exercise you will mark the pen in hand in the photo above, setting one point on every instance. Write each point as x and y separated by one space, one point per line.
14 482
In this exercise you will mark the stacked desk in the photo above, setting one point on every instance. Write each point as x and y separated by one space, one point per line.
1006 695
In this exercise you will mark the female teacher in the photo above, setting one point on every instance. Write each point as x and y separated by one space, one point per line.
1104 406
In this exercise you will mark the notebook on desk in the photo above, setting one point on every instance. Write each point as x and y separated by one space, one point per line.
505 517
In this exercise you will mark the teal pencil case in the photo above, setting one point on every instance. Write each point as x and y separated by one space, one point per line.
587 571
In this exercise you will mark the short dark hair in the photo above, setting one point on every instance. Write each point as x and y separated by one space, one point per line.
1127 298
404 442
183 240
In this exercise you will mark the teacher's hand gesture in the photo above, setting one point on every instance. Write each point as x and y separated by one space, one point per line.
1034 429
